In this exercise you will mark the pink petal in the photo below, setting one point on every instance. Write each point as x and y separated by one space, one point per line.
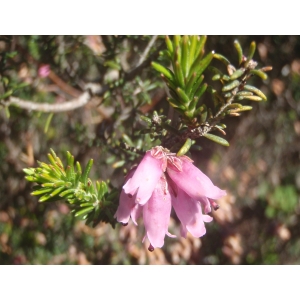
206 204
126 204
207 218
183 231
156 215
195 183
171 235
144 179
189 213
135 213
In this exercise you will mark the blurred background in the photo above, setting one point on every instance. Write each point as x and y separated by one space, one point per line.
258 221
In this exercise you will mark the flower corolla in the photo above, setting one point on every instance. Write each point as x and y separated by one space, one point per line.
161 181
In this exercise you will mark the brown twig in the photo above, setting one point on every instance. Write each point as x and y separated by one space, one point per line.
63 85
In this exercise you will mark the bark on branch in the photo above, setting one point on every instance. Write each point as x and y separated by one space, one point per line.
75 103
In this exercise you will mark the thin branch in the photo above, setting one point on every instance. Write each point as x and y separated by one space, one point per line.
133 72
146 51
82 100
63 85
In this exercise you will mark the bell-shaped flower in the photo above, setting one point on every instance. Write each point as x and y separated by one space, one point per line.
163 180
195 183
127 207
189 212
156 214
145 178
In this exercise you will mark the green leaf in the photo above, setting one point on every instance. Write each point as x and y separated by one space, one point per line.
185 63
48 121
200 65
215 70
45 166
177 48
201 90
78 167
127 140
48 177
51 159
238 73
42 191
70 161
194 41
31 178
255 91
251 51
84 211
11 54
195 85
183 96
222 58
234 105
50 184
102 189
29 171
86 204
112 64
176 104
6 95
146 119
216 139
67 192
203 116
260 74
57 191
252 98
171 85
200 46
185 148
216 77
244 93
119 164
161 69
86 172
239 50
57 172
179 75
228 95
225 78
245 108
230 86
169 45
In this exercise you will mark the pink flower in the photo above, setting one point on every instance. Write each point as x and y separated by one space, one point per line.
156 214
127 206
145 178
189 212
163 180
195 183
44 71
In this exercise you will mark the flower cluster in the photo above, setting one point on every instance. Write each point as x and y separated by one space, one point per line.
161 181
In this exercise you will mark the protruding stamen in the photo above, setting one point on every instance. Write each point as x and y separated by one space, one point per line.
151 248
124 224
214 204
